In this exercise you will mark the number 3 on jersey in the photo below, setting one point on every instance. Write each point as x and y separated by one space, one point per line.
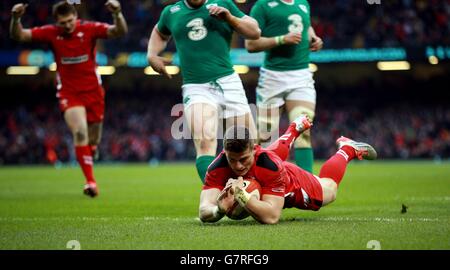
297 24
198 31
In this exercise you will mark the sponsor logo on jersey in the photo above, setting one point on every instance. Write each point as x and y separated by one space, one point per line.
175 9
272 4
74 60
304 8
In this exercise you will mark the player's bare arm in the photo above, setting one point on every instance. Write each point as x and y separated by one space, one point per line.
214 204
315 42
267 43
245 26
266 211
120 27
156 45
16 30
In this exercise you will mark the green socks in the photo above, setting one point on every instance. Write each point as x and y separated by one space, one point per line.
304 158
202 163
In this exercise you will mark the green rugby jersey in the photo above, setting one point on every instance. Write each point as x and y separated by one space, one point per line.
202 41
275 18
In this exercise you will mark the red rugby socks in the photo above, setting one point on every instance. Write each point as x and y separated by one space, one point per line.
335 166
84 158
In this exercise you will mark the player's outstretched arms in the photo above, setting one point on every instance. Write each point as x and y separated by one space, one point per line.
120 27
245 26
267 43
156 45
213 204
315 42
16 31
266 211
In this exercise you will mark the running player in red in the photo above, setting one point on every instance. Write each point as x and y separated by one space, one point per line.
284 185
80 91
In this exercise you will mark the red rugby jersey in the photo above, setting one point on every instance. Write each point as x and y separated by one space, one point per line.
268 169
75 54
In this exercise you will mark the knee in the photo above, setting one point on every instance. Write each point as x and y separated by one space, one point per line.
330 191
206 145
267 125
304 140
80 136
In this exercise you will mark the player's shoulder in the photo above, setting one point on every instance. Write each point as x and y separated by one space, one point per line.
86 24
268 160
174 8
266 3
48 27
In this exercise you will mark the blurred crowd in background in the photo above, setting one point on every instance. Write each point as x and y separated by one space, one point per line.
340 23
138 126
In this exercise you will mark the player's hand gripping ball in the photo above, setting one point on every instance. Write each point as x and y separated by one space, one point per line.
236 211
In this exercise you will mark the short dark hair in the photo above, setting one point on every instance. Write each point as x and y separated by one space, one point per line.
237 139
63 8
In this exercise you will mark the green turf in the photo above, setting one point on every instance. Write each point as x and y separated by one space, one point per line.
142 207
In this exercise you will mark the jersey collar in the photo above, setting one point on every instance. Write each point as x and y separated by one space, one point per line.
61 31
286 3
190 7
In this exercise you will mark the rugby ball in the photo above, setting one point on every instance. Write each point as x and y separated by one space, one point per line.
236 211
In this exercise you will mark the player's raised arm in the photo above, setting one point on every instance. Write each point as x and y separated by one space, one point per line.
266 211
156 45
16 31
245 26
120 27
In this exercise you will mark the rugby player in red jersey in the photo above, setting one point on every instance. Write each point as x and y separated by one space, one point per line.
284 184
80 92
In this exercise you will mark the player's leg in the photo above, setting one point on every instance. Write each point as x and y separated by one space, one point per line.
268 123
303 149
202 119
283 145
237 110
333 169
76 120
301 99
95 110
270 103
95 134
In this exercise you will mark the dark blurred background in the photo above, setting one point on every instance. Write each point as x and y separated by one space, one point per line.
405 114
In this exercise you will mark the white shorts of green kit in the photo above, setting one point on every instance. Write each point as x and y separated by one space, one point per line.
275 87
226 94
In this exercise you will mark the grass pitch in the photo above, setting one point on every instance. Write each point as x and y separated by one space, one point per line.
142 207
